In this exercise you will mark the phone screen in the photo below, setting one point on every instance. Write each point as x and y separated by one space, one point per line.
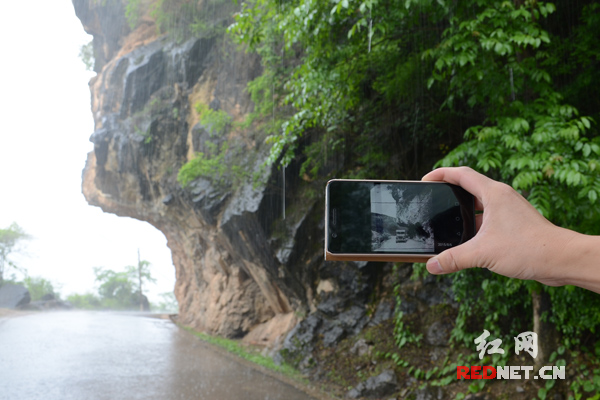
397 217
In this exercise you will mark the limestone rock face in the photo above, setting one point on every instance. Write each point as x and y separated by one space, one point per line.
242 268
146 127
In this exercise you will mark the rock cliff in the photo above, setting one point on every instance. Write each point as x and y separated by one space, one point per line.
231 273
243 269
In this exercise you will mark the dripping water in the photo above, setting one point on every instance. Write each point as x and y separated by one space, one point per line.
273 99
370 30
512 85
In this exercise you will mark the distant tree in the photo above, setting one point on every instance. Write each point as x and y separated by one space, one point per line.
10 238
140 274
86 53
116 289
39 287
123 290
88 301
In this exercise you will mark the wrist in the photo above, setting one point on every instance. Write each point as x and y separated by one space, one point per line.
575 260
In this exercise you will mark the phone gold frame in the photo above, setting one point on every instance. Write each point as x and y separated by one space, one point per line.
366 256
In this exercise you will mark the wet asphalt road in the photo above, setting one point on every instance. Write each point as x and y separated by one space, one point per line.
87 355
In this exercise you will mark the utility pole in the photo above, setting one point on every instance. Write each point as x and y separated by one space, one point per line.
140 281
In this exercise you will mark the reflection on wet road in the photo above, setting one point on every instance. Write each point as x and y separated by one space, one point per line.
86 355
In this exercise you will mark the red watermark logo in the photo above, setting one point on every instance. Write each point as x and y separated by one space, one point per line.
508 372
525 341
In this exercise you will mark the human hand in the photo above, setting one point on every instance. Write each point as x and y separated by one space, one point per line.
513 239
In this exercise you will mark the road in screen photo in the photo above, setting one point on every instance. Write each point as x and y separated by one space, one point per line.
400 219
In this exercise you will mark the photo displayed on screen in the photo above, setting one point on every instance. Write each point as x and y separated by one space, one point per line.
400 219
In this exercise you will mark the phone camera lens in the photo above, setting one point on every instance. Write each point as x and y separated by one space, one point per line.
334 235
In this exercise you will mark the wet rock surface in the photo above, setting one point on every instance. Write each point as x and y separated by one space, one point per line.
438 333
14 296
339 314
376 387
144 102
429 393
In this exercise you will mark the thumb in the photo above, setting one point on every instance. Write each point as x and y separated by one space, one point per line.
452 260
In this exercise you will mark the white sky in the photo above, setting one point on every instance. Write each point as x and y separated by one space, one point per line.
382 201
45 125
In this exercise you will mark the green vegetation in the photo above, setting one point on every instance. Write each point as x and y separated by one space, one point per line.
10 240
86 301
530 137
397 87
215 162
116 290
391 88
180 19
86 53
133 11
210 165
247 353
39 287
216 121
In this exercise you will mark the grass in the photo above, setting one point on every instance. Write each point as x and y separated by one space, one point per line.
249 354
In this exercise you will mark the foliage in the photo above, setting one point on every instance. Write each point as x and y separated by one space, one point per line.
133 10
86 53
116 290
140 274
343 76
215 121
247 353
529 138
10 239
402 335
214 163
39 287
502 86
210 164
86 301
180 18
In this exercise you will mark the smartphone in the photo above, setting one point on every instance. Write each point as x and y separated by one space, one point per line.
405 221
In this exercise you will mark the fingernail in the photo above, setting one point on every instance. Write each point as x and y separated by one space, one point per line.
433 266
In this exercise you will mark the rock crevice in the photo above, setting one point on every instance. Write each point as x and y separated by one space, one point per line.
144 100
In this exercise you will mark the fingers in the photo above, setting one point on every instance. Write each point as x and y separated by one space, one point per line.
470 180
452 260
463 256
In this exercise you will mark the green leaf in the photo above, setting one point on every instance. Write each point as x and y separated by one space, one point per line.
586 122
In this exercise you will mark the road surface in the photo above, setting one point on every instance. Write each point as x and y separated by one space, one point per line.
95 355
